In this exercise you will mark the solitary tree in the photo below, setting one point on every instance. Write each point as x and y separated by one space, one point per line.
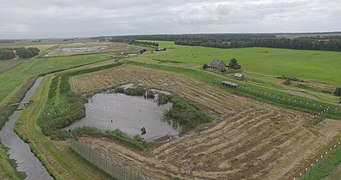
205 66
234 64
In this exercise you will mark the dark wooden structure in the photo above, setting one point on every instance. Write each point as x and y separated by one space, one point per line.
230 84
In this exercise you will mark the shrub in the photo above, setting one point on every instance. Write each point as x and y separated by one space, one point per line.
164 99
337 92
149 95
186 114
119 90
205 66
287 82
138 91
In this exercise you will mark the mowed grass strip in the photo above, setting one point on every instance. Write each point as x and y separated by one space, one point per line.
321 66
325 167
55 155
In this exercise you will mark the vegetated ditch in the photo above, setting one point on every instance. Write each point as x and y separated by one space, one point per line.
19 150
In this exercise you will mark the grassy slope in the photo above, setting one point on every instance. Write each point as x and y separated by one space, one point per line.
12 78
7 171
55 155
303 64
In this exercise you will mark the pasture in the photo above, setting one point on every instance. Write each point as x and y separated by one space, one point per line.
320 66
12 78
8 64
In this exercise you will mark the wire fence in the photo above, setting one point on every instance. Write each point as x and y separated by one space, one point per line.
106 164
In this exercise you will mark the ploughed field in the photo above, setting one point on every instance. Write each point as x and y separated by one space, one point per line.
249 139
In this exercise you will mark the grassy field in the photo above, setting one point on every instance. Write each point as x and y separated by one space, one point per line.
319 66
256 92
15 81
8 64
12 78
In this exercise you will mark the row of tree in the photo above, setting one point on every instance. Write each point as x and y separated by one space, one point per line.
11 53
134 42
174 37
307 43
325 42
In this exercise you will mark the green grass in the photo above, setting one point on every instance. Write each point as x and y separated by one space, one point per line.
325 167
256 92
55 155
63 106
8 64
186 114
8 166
319 66
12 78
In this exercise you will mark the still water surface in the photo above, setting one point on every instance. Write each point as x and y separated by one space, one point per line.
110 111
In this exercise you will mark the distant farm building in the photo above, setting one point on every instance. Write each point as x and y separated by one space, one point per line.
239 76
218 65
230 84
160 49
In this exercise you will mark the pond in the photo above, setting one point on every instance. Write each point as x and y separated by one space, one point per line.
110 111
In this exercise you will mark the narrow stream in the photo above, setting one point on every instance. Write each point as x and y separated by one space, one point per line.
19 150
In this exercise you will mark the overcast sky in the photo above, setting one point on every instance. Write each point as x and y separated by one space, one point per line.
83 18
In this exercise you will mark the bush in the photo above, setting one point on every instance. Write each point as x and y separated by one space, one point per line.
164 99
186 114
138 91
149 95
337 92
287 82
119 90
205 66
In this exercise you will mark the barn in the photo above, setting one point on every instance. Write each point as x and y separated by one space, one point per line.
218 65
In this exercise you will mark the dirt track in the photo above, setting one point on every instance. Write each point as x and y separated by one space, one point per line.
250 140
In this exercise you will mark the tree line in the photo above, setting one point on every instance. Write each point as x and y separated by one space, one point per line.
11 53
326 42
304 43
134 42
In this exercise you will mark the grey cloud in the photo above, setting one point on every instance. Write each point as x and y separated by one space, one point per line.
79 18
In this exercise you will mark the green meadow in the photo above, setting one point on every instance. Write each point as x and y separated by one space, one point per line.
13 78
320 66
